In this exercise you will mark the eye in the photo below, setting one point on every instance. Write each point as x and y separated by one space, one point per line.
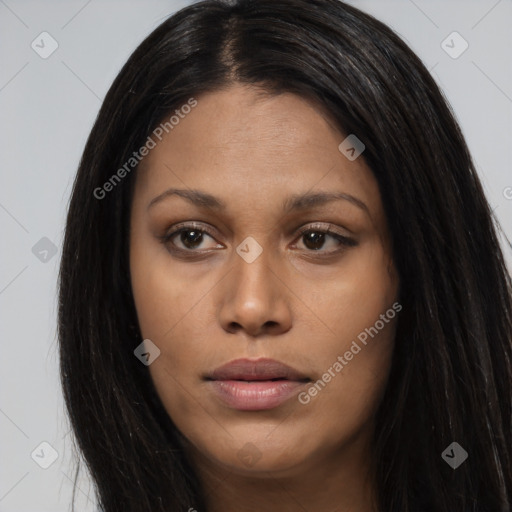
315 237
188 238
192 239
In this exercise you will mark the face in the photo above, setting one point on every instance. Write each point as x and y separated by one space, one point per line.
261 268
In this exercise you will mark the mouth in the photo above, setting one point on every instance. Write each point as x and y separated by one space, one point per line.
255 385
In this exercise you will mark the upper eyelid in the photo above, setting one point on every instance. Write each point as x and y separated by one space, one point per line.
182 226
325 227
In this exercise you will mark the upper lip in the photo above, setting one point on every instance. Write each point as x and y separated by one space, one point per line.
255 369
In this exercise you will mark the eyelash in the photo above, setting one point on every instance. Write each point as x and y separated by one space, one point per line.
316 228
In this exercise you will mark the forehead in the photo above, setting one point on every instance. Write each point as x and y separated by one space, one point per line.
239 142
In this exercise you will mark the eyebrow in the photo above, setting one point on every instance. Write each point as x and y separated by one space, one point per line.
293 202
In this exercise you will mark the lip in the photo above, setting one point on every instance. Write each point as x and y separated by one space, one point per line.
255 384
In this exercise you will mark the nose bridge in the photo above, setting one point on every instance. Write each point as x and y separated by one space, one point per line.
252 274
254 297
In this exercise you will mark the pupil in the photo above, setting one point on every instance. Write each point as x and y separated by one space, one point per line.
191 237
314 240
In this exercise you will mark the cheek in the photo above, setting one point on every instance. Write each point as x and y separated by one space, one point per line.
170 314
353 362
163 289
351 298
171 300
350 382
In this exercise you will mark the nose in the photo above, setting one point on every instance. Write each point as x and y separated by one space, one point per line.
255 298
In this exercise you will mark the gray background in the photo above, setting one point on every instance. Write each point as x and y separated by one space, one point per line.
48 107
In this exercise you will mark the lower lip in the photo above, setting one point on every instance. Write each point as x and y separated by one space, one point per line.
256 395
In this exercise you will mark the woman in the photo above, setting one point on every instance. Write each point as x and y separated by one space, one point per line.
281 284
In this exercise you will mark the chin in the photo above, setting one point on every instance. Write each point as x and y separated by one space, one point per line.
265 462
254 455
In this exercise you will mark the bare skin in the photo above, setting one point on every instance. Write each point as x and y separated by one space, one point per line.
300 302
